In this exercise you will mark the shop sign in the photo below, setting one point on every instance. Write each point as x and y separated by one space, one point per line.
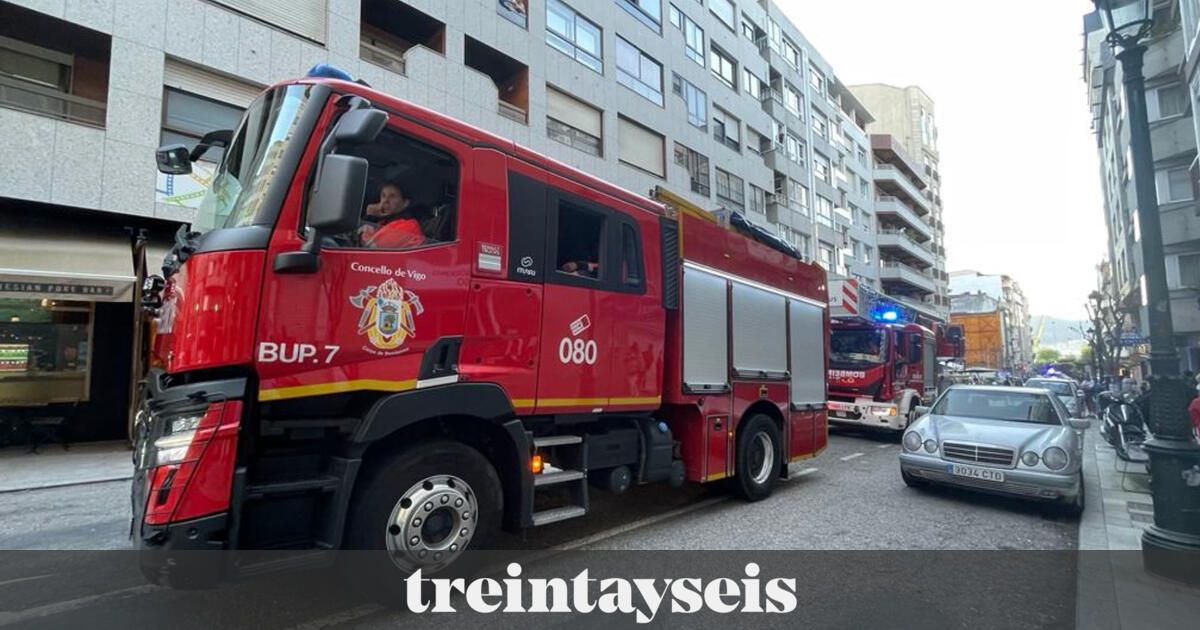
55 288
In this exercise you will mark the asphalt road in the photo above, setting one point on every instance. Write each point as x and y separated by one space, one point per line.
850 498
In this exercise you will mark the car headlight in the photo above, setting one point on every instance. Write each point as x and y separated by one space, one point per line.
930 445
912 441
1055 458
1029 458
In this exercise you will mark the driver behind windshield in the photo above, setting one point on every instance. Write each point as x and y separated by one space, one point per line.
391 222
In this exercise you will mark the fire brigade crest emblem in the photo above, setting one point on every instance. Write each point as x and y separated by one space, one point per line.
388 314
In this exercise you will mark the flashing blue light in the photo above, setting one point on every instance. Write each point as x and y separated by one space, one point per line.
326 71
889 316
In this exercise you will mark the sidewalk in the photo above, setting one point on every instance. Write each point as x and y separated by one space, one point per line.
53 467
1113 591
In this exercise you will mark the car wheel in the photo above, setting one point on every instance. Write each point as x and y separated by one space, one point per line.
911 481
422 508
1075 506
759 458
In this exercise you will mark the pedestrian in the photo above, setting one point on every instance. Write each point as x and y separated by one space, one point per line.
1194 412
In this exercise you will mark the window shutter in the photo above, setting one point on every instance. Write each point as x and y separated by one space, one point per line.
573 112
305 18
641 147
194 80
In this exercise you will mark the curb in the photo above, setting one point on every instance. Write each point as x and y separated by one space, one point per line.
66 484
1095 585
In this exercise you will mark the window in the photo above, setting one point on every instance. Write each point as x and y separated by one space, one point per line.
695 99
1189 271
792 99
631 257
579 243
861 155
1174 184
65 85
749 30
824 211
574 35
412 192
723 67
800 195
804 244
514 11
42 339
573 122
306 19
640 148
816 79
727 129
794 147
1167 101
758 199
693 35
827 257
820 124
752 84
791 54
725 11
697 168
821 167
756 142
638 72
648 12
731 189
187 117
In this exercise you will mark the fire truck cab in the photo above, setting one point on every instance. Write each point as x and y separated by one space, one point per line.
394 331
881 364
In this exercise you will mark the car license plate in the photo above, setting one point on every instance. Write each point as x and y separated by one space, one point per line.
986 474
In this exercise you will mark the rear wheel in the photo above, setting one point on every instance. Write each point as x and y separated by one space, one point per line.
423 508
759 458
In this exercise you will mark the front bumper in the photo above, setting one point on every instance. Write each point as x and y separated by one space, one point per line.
1030 484
873 415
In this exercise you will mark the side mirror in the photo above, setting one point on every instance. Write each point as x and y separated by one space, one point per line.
333 208
173 159
921 410
1081 424
359 126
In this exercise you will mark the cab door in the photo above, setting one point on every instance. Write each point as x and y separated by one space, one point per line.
365 318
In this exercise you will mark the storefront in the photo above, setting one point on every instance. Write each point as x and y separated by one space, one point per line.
66 325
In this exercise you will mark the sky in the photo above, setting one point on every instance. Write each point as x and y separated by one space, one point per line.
1020 180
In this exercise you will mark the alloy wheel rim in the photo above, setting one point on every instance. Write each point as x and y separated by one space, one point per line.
762 458
431 524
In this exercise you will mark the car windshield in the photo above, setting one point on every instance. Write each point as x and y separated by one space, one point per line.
997 405
864 345
1058 388
236 192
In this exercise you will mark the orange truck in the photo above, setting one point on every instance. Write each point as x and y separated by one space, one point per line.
983 334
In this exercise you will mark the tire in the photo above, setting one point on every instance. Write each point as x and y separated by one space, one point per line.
911 481
755 475
1075 507
438 474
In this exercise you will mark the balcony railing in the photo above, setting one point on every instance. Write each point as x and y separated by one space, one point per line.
38 99
886 204
898 271
887 172
906 243
511 112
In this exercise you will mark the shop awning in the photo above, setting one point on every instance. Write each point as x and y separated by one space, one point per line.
61 260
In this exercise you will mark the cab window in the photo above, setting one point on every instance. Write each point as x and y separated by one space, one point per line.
579 244
411 198
631 257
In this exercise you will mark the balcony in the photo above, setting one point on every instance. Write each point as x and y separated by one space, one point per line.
909 279
892 181
390 29
901 244
510 76
892 210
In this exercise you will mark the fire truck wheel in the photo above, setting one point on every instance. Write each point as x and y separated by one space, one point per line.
425 506
758 458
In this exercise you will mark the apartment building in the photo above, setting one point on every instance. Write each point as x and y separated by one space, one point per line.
722 101
907 114
975 292
1173 137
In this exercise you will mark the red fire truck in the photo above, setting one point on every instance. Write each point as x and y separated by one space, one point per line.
882 364
548 331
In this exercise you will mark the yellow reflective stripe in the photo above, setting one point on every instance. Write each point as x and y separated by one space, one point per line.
580 402
337 387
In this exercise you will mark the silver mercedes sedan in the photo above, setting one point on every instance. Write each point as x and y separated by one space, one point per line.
1018 441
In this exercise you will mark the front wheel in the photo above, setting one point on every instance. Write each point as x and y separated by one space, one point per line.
759 458
423 508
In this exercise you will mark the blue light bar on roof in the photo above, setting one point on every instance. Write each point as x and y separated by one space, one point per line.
326 71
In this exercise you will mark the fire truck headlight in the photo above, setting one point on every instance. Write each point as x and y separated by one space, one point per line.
931 446
912 441
172 449
185 423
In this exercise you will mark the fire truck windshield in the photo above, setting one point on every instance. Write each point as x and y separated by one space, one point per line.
236 192
863 345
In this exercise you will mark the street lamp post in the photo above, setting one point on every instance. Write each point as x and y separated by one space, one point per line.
1171 546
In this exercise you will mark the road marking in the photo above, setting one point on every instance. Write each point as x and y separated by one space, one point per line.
26 579
806 471
884 446
646 522
57 608
851 456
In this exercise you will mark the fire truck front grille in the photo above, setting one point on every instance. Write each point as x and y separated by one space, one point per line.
978 454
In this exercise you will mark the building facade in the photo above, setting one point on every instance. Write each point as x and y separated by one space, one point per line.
1173 141
907 114
723 102
971 291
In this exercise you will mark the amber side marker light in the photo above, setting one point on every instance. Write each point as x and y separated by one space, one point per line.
536 464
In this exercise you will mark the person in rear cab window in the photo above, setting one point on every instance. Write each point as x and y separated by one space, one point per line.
582 268
391 222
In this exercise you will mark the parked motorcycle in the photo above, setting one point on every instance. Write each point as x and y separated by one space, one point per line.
1124 426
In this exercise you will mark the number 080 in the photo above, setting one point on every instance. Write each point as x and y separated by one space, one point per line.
578 351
